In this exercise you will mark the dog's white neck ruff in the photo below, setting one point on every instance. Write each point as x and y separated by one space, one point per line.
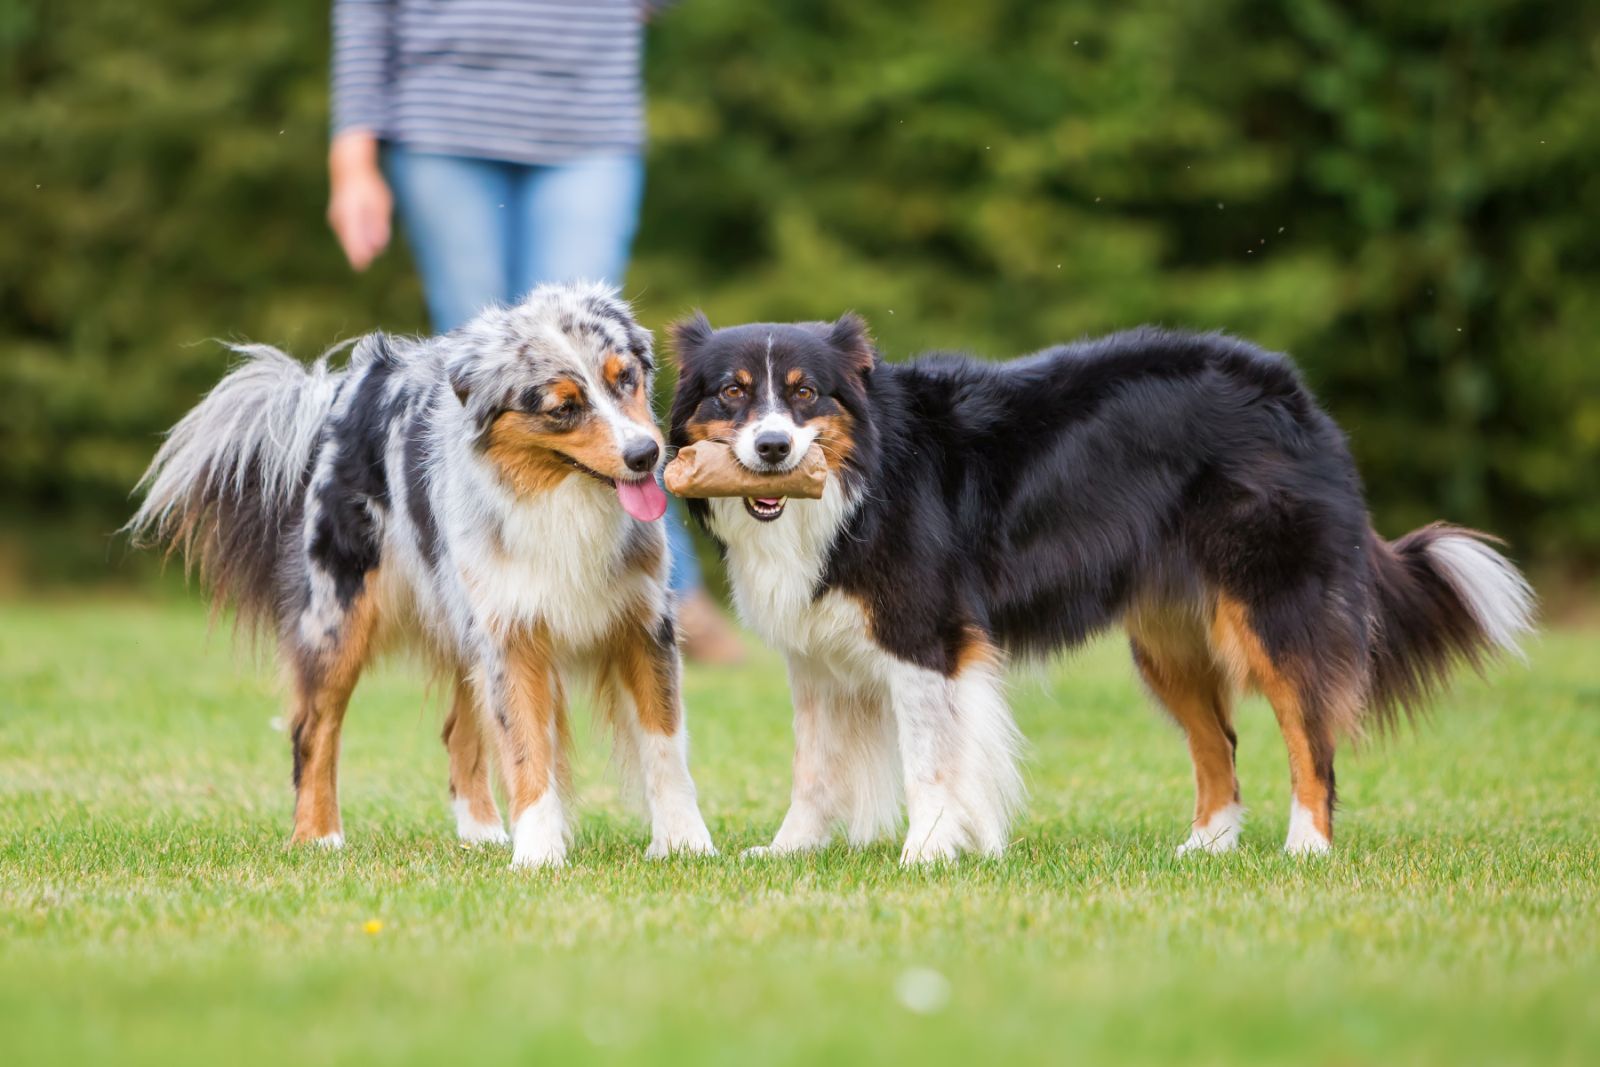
774 568
554 559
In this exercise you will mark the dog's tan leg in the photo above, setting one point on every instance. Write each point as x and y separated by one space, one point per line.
1308 738
643 677
1196 696
524 708
324 675
471 793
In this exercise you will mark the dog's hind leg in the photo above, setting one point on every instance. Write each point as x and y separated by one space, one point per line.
1304 717
643 682
1177 665
471 793
326 658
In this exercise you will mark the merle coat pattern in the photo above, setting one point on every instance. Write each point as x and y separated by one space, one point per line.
487 494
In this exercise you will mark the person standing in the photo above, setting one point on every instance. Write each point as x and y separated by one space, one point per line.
509 135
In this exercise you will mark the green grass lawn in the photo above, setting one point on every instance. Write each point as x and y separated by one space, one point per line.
149 910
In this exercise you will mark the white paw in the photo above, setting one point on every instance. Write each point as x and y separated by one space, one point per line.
1304 837
332 842
534 859
692 844
541 835
1218 834
930 846
786 846
473 831
679 829
660 850
483 834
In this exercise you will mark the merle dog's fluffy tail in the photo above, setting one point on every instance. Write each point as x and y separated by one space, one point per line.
1444 596
226 486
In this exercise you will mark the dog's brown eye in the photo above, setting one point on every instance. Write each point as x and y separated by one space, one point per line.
806 393
564 410
625 381
732 392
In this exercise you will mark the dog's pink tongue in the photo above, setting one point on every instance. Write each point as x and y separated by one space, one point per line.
643 499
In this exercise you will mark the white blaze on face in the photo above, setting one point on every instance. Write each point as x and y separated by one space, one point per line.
800 439
639 494
624 430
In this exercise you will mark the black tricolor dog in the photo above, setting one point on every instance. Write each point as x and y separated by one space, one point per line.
1185 485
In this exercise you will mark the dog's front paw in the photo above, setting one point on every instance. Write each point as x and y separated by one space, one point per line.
534 859
660 850
692 840
923 855
471 830
541 836
678 829
929 847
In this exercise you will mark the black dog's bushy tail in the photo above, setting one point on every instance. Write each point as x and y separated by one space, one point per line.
225 485
1444 596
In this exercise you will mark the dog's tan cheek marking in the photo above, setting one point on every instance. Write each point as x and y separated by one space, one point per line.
524 455
836 436
593 444
710 430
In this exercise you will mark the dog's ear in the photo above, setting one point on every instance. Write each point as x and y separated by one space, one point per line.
641 343
689 336
461 380
850 337
478 397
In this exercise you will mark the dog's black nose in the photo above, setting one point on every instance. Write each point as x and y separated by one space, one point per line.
641 455
772 446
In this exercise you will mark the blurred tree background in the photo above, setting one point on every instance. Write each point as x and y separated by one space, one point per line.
1403 196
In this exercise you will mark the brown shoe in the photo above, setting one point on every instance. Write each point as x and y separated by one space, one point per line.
707 636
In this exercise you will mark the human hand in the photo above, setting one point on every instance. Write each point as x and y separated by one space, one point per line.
359 201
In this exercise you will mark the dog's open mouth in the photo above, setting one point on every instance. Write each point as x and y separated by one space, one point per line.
642 498
764 508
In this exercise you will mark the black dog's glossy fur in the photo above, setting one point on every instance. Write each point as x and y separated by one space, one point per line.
1186 483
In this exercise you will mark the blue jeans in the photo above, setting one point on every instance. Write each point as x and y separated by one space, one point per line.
485 231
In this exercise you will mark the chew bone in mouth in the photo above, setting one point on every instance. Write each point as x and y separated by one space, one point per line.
710 469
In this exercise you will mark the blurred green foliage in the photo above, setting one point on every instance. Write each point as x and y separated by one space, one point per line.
1402 196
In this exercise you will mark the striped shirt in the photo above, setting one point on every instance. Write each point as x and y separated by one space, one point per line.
526 81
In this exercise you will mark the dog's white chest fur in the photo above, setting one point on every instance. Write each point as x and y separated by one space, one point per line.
555 559
774 568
